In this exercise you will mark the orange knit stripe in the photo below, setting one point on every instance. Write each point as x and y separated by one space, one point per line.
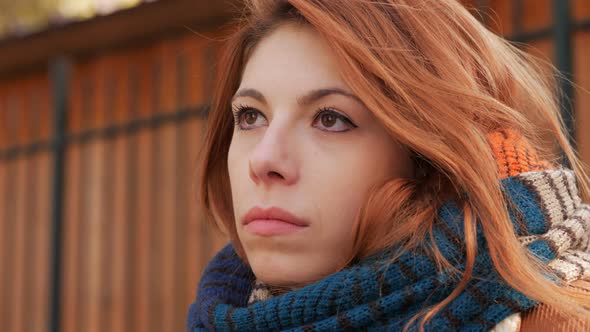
514 154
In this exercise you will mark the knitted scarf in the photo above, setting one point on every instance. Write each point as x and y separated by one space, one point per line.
377 294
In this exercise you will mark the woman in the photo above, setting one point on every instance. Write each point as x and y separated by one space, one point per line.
384 165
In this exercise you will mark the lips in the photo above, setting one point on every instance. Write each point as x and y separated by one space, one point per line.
272 221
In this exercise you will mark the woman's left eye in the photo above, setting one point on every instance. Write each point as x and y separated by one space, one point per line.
330 120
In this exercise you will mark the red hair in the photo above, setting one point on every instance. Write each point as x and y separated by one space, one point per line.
440 83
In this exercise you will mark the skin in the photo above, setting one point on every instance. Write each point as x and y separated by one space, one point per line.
318 168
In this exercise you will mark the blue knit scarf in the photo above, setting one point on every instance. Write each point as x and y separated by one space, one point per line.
377 294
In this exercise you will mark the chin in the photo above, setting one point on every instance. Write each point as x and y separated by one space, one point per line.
280 270
288 271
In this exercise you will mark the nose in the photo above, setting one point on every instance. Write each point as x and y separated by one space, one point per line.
273 160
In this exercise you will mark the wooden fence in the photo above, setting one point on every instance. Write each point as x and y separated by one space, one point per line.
99 230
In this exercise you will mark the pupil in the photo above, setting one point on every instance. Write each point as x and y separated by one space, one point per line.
250 118
328 120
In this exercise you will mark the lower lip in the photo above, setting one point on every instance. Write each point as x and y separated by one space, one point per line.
270 227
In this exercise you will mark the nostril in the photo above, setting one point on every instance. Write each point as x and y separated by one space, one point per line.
274 174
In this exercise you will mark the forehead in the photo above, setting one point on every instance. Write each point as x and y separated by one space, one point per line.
293 57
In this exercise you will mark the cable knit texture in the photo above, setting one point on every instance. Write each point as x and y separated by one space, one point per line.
375 294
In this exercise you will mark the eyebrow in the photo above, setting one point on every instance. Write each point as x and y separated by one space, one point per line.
306 99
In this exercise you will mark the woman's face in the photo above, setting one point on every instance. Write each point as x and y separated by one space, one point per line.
303 155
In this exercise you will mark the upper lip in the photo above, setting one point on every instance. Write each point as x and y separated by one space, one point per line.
276 213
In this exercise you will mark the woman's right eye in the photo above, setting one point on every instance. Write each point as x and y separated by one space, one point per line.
247 118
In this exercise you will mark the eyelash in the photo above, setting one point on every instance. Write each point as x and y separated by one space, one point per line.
240 110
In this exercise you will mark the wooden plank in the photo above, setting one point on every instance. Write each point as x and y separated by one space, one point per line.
4 220
43 247
166 220
166 315
195 48
96 182
142 298
580 10
8 240
44 205
36 278
536 14
146 218
5 223
73 215
18 249
18 111
500 20
167 52
22 105
119 254
181 205
132 179
154 279
73 243
74 116
107 114
45 103
196 251
3 116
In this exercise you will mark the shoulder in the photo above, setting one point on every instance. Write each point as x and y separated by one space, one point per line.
545 318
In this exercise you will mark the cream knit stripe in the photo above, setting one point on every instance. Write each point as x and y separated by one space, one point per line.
571 232
557 188
572 187
540 185
509 324
553 192
260 292
566 269
583 258
581 264
569 220
561 182
528 239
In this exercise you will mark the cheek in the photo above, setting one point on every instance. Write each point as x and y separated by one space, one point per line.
341 182
237 167
233 158
343 178
237 158
233 165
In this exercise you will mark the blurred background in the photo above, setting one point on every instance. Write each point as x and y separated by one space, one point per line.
103 105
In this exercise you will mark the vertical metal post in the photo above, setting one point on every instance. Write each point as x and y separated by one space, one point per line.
59 75
562 31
